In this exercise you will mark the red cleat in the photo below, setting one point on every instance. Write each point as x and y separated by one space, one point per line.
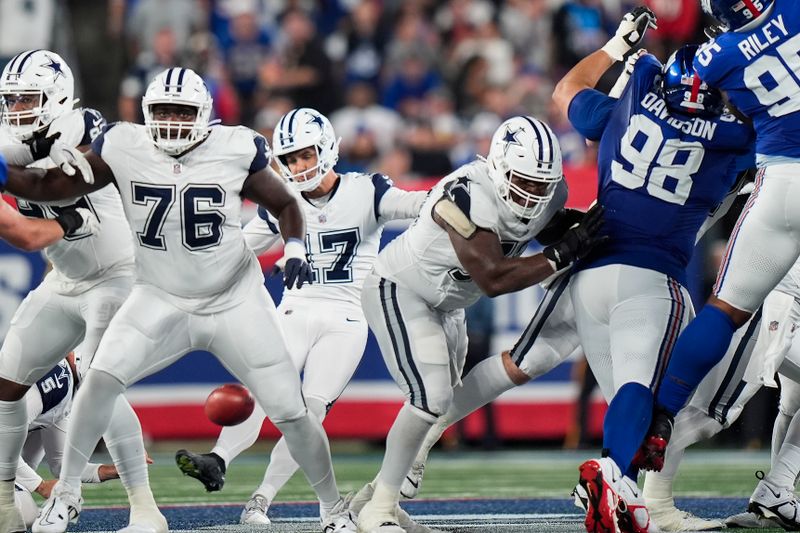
599 478
650 456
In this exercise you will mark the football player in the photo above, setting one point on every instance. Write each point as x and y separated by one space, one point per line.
755 64
323 322
667 157
198 286
466 242
92 266
49 403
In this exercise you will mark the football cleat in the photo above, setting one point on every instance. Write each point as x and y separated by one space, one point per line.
62 508
341 519
146 519
632 514
404 520
413 481
779 504
207 468
667 517
750 520
255 511
599 479
373 520
650 456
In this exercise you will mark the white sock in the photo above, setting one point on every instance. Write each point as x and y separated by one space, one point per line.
13 430
281 466
308 446
779 430
402 444
484 383
691 426
786 464
90 417
126 445
233 440
6 493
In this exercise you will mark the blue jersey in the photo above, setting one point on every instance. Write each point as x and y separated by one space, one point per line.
759 69
659 174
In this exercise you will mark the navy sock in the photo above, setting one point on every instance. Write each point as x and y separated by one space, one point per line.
626 423
701 346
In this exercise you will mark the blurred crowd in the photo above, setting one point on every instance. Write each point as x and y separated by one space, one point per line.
413 87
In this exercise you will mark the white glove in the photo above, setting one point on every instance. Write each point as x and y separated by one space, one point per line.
68 158
90 222
627 72
630 32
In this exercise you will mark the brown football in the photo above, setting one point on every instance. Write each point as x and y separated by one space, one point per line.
229 404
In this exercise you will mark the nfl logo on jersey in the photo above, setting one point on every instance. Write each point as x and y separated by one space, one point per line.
773 326
176 168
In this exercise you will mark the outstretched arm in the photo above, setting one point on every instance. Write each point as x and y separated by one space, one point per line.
48 185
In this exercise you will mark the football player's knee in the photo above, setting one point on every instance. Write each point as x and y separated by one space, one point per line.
287 416
437 402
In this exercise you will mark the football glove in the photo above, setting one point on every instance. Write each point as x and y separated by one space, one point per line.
77 220
561 222
630 32
627 72
295 268
578 240
66 157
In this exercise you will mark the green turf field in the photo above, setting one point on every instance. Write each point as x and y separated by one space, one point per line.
539 474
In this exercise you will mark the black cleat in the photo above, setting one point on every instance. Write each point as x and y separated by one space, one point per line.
208 468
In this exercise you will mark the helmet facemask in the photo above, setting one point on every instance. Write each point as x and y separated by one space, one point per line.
175 136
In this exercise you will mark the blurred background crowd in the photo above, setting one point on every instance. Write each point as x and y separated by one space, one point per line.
415 88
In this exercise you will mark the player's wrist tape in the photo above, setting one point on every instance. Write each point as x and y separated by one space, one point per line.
616 48
294 248
17 154
69 220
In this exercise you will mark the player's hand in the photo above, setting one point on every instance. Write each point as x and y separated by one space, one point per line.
296 272
77 220
106 472
68 159
627 72
45 488
561 222
578 240
630 32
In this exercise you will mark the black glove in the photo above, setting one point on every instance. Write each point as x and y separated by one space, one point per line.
40 145
296 271
70 221
712 32
561 222
578 240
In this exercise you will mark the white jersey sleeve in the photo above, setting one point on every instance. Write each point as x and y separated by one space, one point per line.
262 232
397 204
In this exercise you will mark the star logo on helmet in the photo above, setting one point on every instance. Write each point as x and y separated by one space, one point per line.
316 119
55 66
510 138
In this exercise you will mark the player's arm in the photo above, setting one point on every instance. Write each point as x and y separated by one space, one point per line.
590 69
54 184
31 234
392 203
261 233
266 188
481 255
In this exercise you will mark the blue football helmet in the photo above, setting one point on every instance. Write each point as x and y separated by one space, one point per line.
684 91
735 13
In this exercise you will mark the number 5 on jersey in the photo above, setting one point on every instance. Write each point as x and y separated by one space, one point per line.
201 225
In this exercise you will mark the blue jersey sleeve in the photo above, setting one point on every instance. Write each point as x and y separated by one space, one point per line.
382 184
265 216
93 124
260 159
589 112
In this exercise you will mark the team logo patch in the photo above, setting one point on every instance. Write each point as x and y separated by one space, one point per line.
177 168
323 219
773 326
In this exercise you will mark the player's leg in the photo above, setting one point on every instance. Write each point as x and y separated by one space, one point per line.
249 342
44 327
763 247
415 348
548 340
146 335
209 468
331 361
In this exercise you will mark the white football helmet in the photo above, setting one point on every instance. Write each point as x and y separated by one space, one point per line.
301 128
180 86
44 76
527 149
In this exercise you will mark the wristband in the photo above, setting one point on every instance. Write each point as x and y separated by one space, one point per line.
294 248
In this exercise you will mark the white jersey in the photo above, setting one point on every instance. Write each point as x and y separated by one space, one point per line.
423 259
84 259
342 235
185 212
50 399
